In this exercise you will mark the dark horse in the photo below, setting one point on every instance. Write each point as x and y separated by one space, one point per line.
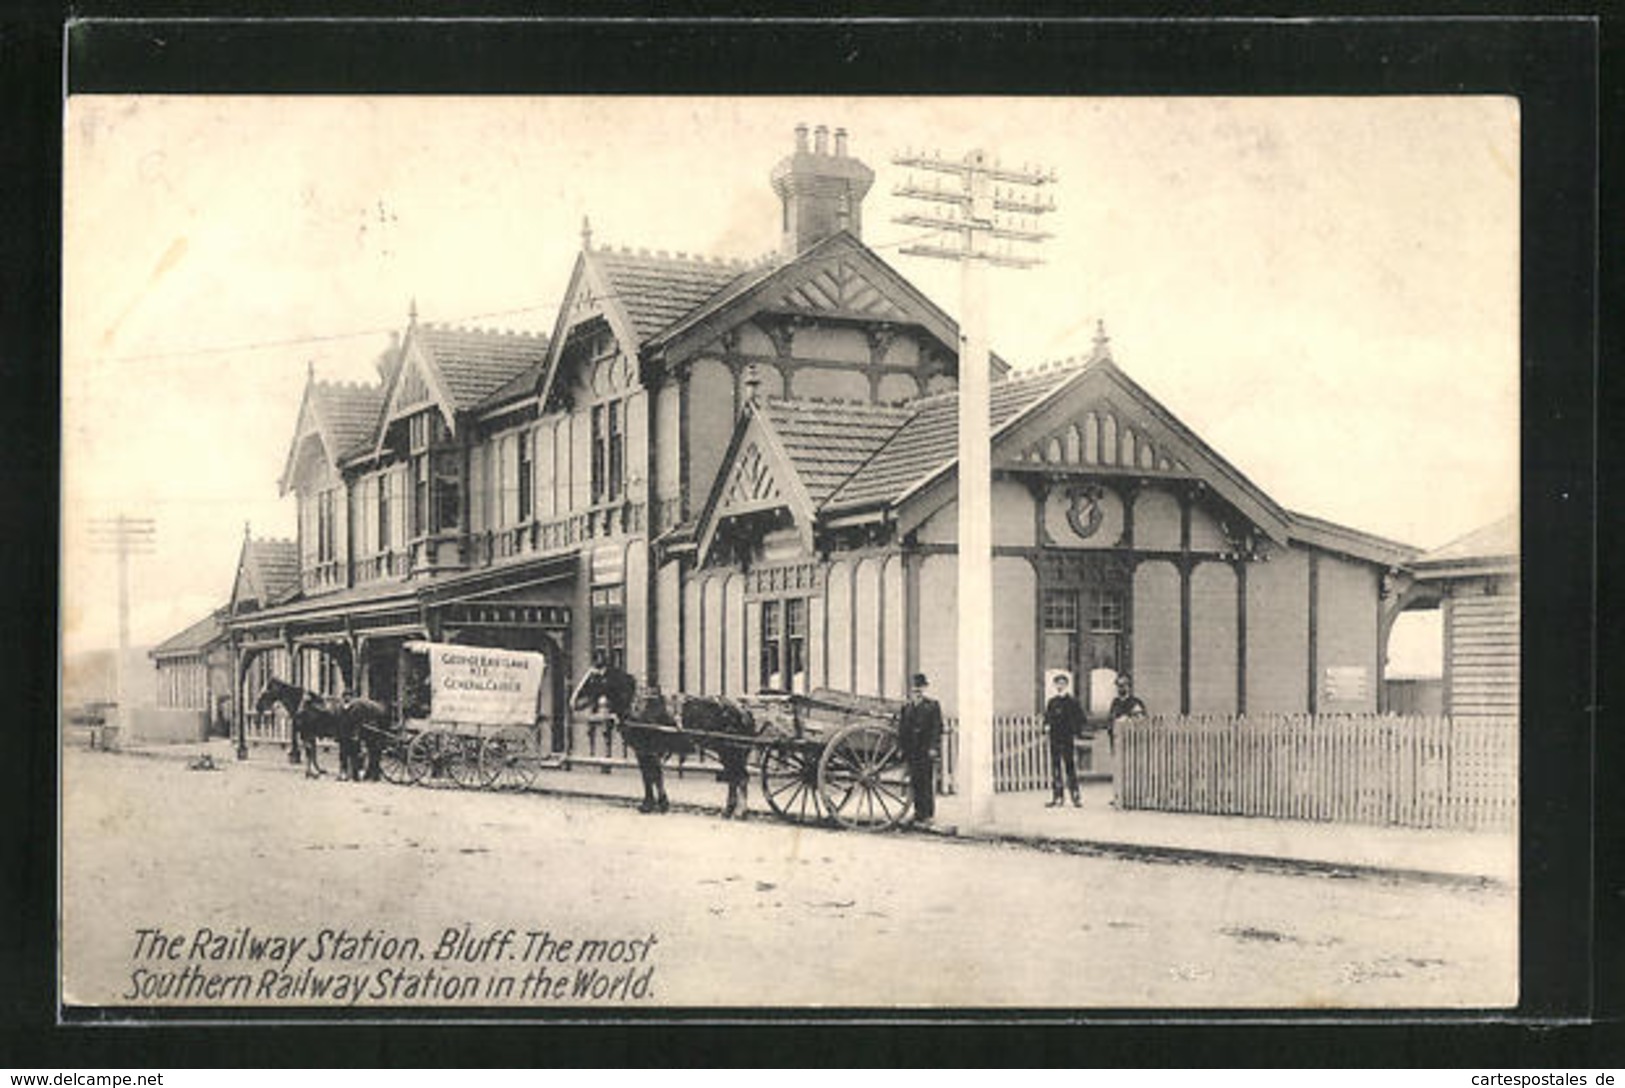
358 725
653 733
706 724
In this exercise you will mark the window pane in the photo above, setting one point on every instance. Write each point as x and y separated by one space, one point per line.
1105 610
617 451
525 474
448 490
1060 610
598 454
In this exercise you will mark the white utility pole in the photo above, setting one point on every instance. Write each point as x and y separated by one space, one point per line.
976 199
123 536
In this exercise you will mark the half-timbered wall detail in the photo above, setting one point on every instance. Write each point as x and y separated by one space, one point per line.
838 627
1278 634
1157 635
1213 649
1156 520
1102 437
1345 637
752 485
840 288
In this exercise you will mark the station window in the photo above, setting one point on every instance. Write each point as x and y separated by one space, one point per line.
608 607
608 452
782 665
1105 610
525 477
384 483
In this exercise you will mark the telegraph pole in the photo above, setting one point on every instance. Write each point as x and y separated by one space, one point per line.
123 536
986 204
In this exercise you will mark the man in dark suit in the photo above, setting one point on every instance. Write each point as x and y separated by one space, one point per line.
919 733
1127 705
1063 720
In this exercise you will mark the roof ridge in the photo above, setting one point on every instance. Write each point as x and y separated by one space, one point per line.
1027 374
484 330
679 257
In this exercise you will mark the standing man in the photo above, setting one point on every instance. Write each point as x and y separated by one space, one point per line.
1063 720
919 733
1127 705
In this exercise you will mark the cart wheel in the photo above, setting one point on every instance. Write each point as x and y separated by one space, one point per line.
430 756
508 760
790 781
463 762
862 779
392 761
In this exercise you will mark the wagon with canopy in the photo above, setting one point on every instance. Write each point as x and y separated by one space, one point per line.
480 723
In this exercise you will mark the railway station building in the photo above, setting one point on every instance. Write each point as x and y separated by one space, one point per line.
734 477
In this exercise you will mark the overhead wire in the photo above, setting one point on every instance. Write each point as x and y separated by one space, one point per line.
322 338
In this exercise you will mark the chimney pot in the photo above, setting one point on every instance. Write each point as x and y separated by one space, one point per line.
840 143
801 138
821 140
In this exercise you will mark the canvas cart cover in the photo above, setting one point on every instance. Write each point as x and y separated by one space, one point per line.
486 686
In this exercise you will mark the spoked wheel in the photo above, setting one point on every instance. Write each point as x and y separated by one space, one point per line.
508 760
431 759
392 761
790 782
862 778
463 763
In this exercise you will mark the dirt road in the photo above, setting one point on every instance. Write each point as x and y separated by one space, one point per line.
252 885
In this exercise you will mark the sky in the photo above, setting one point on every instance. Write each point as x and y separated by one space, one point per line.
1325 290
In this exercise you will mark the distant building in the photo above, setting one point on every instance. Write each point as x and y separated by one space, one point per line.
739 477
195 671
1473 580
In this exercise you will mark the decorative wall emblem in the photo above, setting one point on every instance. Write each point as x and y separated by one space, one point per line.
1083 512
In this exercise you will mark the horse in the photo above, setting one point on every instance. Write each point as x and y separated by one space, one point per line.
358 725
650 734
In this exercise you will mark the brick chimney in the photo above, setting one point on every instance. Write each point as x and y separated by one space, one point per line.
819 192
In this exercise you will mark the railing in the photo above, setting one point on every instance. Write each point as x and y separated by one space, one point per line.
266 727
391 564
495 545
325 575
1021 754
1372 769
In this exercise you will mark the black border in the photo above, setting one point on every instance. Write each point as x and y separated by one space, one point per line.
1550 64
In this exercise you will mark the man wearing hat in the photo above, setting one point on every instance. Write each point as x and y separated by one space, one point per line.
919 733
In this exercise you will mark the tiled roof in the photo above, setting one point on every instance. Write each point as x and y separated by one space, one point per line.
828 441
1496 540
474 363
350 412
657 289
521 384
928 440
193 639
275 563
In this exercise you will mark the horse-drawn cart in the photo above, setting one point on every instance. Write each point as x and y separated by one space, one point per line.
481 728
828 757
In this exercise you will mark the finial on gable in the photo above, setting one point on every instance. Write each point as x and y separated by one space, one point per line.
753 383
586 233
1103 350
246 534
310 370
412 313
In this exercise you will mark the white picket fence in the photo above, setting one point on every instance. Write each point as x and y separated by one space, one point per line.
1371 769
1412 771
